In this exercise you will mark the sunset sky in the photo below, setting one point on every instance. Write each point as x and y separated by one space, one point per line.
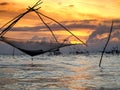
76 9
79 15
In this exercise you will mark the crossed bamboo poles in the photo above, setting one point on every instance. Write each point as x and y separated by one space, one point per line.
35 8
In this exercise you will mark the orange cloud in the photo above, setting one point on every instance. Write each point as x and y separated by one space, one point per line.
115 39
71 5
61 10
102 36
4 4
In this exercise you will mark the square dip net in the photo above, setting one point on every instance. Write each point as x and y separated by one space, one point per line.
42 35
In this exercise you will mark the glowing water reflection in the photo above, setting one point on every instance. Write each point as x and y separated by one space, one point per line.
78 72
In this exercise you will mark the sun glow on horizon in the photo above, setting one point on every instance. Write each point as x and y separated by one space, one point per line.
75 42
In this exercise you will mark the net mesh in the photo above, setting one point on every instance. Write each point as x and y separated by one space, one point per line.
33 48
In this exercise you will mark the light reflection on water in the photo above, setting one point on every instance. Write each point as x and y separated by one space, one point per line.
72 72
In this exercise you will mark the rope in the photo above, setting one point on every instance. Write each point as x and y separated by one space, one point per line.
63 27
47 26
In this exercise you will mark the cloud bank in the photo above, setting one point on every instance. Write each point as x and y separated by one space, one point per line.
96 40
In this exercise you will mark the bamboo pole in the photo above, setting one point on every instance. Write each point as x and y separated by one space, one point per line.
111 29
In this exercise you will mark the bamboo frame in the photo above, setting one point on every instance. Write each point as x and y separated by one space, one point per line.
35 9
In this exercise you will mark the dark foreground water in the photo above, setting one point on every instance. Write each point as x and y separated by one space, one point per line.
70 72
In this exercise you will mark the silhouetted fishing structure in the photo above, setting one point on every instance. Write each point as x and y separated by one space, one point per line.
30 47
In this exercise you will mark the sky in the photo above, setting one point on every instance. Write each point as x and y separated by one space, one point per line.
67 9
83 17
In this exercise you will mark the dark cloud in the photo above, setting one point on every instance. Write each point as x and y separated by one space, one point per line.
71 5
89 21
59 3
4 4
81 26
97 40
71 25
116 21
116 34
2 11
36 28
100 31
74 25
80 21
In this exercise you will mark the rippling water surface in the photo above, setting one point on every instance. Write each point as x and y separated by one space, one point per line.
68 72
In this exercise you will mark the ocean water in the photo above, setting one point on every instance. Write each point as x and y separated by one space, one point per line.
62 72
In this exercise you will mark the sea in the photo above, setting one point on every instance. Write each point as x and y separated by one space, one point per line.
59 72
